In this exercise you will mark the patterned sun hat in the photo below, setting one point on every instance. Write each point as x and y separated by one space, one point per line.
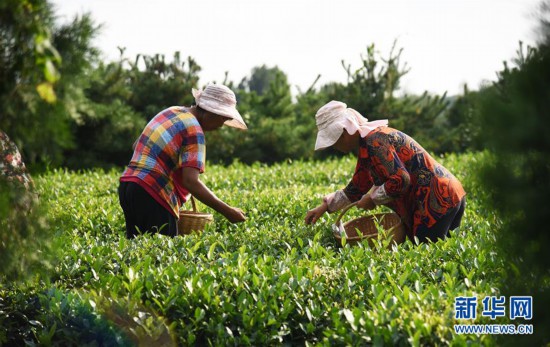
330 124
336 116
220 100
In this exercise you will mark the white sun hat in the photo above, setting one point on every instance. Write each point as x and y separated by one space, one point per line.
220 100
334 117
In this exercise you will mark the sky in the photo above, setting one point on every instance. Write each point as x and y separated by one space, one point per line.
446 43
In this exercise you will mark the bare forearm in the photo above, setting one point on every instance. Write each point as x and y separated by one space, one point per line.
206 196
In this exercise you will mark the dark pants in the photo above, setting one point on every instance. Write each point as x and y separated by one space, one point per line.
143 213
441 228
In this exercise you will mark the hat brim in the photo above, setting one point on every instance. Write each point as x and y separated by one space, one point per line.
236 120
235 123
327 137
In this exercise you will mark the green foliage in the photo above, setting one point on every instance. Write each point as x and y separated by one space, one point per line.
160 84
423 118
106 125
27 66
516 118
278 128
371 90
116 101
372 85
29 60
544 22
25 248
462 123
39 84
516 123
270 280
260 79
102 107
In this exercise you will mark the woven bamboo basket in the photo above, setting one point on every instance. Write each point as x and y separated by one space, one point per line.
193 221
366 227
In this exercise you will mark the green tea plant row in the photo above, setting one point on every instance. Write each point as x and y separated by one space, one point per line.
268 281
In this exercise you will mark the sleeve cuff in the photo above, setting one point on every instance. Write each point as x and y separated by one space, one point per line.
336 201
379 195
194 166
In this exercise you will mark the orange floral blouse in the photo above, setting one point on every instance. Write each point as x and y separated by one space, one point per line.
423 190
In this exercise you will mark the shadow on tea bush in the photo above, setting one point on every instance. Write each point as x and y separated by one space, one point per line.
26 243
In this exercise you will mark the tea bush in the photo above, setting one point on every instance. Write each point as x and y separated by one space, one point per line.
268 281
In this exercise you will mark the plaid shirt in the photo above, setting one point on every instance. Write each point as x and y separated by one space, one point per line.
172 140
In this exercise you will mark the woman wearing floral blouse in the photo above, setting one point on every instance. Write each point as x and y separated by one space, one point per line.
392 170
15 180
12 168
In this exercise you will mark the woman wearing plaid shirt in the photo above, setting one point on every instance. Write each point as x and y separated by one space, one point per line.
168 157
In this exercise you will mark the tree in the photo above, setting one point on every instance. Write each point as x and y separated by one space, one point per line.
41 69
107 125
421 117
516 127
28 69
117 100
278 128
28 58
544 23
260 79
372 86
160 84
371 91
462 123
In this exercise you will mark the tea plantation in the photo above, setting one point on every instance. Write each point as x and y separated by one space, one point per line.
271 280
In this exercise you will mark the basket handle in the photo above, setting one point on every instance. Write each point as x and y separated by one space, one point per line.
193 204
344 210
